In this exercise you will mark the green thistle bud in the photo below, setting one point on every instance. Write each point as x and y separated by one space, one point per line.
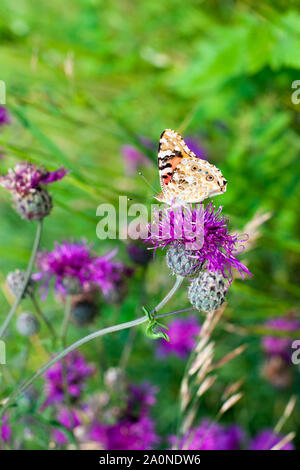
34 205
207 292
182 262
27 324
15 281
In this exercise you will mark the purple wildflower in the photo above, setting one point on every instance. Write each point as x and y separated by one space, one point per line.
134 158
26 177
127 434
4 116
182 334
134 429
74 263
279 346
70 419
5 429
76 372
210 436
267 439
203 231
195 147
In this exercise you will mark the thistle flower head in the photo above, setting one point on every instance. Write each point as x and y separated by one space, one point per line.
267 439
203 231
182 333
211 436
26 177
74 371
74 268
279 346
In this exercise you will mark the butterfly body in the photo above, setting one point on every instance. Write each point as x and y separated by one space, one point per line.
184 177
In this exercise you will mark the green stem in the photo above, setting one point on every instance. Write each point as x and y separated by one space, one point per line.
42 316
179 280
27 278
66 320
90 337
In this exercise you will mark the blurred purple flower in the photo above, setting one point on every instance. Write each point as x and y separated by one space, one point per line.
5 430
26 177
202 230
134 429
134 158
127 434
74 370
275 345
74 263
266 439
210 436
182 333
194 145
68 418
4 116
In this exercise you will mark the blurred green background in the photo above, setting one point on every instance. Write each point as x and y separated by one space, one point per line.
85 77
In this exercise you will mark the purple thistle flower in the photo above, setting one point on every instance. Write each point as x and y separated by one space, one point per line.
4 116
279 346
76 373
70 419
27 177
182 333
5 430
74 263
210 436
204 233
267 439
195 147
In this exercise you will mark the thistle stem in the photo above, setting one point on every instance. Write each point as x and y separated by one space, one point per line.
179 280
66 320
42 316
27 278
90 337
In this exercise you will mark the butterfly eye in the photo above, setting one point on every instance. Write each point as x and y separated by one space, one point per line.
209 178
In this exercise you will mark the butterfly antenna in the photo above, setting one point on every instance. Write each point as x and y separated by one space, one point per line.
147 182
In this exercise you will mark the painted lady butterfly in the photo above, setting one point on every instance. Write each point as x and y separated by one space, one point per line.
184 177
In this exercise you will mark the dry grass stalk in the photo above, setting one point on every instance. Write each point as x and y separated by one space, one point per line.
201 358
230 402
188 422
288 438
253 228
286 414
185 395
206 384
228 357
233 388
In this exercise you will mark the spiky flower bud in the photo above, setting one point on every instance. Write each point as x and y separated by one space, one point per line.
182 262
71 285
27 324
207 292
33 206
139 253
84 311
15 281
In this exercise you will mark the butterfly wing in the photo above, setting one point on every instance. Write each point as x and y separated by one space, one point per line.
171 150
183 176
